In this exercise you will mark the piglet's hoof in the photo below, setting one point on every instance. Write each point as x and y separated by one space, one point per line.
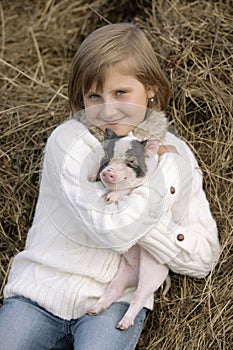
96 309
91 313
124 327
111 197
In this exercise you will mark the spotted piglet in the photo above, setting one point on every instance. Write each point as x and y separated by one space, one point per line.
123 168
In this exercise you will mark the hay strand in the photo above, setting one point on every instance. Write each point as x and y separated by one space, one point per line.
194 44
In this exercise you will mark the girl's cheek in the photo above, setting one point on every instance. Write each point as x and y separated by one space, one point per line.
87 104
93 114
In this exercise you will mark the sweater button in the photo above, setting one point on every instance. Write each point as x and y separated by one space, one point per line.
180 237
172 190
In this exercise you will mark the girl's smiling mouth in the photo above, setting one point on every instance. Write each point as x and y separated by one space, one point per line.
113 122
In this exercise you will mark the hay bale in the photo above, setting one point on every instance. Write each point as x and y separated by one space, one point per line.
194 45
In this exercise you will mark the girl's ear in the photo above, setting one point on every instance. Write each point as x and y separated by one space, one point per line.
151 91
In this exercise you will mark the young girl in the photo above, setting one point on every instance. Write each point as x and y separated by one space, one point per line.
74 245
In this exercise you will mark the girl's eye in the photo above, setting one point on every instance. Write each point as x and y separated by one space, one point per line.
93 96
120 92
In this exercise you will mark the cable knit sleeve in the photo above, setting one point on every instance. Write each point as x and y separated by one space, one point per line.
169 216
186 240
189 233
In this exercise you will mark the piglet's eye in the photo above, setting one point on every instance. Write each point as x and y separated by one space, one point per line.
129 162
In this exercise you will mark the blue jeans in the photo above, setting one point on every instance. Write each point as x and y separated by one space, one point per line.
24 325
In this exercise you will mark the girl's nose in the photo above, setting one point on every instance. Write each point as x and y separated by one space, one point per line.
109 109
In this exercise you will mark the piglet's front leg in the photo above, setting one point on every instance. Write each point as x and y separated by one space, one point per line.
111 197
115 196
151 277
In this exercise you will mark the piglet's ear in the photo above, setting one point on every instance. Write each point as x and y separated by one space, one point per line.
109 134
144 142
152 147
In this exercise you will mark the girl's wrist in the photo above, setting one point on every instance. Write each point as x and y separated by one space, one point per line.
166 149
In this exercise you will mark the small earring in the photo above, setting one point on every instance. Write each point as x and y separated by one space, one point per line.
152 99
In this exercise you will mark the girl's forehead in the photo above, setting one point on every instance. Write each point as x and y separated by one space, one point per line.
124 67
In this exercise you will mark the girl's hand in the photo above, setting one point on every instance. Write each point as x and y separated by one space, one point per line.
166 149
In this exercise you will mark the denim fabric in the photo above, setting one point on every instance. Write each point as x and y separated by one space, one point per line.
24 325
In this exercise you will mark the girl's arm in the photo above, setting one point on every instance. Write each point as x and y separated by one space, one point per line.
190 228
187 241
169 216
71 158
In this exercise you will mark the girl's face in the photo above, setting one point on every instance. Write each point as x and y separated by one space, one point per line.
120 105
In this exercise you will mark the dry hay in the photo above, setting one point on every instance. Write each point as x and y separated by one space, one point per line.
194 43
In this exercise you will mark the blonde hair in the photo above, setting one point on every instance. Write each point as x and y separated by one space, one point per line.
111 46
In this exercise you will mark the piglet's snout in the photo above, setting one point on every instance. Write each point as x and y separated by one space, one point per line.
108 175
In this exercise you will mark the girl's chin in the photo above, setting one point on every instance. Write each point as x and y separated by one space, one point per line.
120 130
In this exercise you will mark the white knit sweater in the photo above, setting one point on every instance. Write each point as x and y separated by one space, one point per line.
73 247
